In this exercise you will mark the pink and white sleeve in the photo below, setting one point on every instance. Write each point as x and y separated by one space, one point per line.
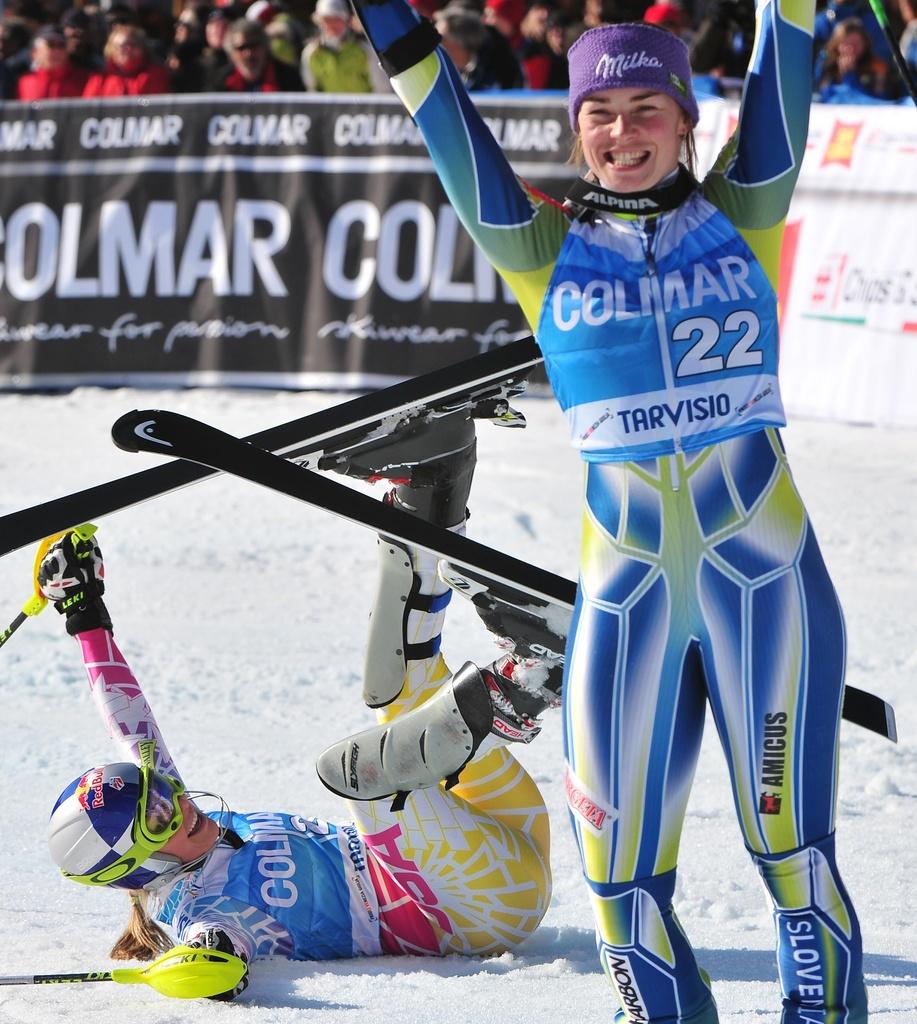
120 700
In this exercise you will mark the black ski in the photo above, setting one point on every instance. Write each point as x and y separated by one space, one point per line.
484 378
170 433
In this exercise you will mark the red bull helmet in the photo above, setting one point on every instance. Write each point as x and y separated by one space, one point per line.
109 825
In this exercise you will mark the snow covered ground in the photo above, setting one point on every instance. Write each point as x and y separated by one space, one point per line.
243 614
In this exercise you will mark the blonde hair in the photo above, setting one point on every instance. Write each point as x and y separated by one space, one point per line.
114 37
142 939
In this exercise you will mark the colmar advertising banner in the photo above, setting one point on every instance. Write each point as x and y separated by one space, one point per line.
277 241
298 241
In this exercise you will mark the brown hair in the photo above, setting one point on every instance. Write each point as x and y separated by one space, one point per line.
142 939
866 69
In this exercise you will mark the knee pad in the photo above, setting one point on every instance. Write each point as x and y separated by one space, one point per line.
405 591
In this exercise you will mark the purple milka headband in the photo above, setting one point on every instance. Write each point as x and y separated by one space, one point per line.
632 55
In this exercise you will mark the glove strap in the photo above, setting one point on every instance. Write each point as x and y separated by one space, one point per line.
84 613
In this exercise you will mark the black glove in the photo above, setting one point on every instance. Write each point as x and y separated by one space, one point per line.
213 938
71 576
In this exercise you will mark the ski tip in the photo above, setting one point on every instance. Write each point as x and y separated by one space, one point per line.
134 431
891 724
122 431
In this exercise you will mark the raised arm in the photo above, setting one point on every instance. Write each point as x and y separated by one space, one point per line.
518 231
71 576
753 179
121 703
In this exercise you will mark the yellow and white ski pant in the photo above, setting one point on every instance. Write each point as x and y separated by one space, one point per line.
465 870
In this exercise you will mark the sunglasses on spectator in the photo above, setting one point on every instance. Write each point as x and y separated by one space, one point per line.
248 46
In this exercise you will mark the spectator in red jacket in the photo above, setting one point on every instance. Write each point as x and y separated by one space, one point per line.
53 76
252 69
129 67
543 55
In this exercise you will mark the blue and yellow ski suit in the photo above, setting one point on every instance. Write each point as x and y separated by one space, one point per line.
701 581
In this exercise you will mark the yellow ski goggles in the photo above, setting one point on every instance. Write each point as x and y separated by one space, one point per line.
157 818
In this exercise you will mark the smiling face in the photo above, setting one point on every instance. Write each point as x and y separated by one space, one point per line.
197 834
631 138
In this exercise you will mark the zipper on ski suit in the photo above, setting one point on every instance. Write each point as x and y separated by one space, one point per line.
646 227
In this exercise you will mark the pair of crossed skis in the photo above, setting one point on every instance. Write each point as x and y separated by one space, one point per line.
486 380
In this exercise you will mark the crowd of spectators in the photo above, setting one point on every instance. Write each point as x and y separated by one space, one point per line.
141 47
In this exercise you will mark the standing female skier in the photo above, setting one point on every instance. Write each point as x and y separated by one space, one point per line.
465 871
653 300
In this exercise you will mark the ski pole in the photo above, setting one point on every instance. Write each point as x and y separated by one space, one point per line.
17 622
37 601
182 973
879 11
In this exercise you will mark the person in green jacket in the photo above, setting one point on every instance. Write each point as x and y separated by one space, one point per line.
336 59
